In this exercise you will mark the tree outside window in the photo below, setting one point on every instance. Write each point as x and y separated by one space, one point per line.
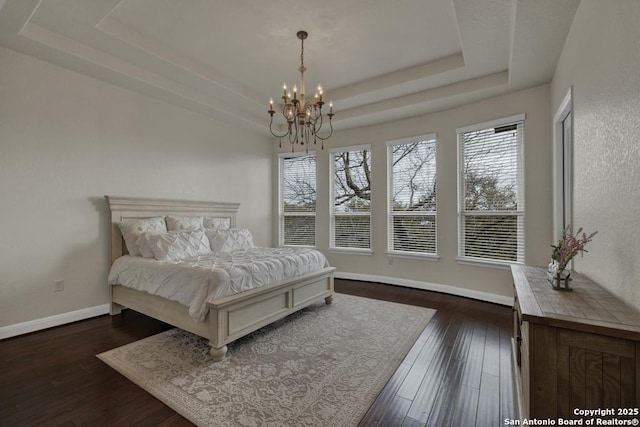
412 195
351 199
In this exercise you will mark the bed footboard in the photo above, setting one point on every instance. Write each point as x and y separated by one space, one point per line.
234 316
237 315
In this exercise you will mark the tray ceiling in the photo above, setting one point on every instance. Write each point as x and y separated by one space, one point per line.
378 60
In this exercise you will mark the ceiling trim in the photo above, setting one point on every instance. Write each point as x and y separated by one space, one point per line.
138 76
418 72
467 86
126 34
96 42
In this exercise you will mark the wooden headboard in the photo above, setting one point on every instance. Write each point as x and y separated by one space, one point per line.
123 208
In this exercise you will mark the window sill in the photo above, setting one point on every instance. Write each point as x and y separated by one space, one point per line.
502 265
351 251
413 255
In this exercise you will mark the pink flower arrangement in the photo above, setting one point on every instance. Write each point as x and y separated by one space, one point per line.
569 246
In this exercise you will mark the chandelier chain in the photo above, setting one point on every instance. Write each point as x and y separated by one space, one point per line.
302 52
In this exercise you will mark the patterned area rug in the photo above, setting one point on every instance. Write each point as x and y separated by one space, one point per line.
322 366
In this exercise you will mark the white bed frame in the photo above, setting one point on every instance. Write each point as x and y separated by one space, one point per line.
230 317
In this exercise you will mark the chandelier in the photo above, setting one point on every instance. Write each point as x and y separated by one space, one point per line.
304 118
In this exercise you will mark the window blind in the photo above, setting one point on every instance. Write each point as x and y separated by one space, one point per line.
412 195
352 231
351 198
491 207
298 200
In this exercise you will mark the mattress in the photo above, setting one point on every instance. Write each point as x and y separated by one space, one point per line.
195 281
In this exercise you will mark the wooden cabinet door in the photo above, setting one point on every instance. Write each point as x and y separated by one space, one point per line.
594 371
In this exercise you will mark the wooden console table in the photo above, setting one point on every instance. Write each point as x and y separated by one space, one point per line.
578 349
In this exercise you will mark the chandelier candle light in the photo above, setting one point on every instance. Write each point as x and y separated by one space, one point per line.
304 118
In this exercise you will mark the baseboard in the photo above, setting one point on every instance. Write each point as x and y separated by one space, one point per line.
86 313
446 289
51 321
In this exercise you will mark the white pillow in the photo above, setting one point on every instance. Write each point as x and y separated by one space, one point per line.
184 222
216 223
131 229
230 240
175 245
144 243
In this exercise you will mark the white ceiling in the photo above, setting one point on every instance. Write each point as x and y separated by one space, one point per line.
378 60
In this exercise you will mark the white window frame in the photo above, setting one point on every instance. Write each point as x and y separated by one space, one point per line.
562 167
461 258
391 251
333 214
281 213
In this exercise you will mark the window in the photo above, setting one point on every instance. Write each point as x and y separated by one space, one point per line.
491 191
412 195
351 199
298 200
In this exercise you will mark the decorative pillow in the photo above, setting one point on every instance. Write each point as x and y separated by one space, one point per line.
184 222
230 240
177 244
131 229
217 223
144 243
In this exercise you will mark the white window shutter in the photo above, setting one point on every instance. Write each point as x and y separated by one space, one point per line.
491 193
298 200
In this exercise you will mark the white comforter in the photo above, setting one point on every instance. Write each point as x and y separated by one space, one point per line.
194 281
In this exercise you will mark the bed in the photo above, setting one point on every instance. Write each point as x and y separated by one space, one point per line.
227 317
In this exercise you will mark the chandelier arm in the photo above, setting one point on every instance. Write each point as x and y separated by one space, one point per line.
293 133
328 136
316 114
321 120
273 133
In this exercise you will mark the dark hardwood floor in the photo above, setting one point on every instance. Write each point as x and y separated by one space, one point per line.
458 373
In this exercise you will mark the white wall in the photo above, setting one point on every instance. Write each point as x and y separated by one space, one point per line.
601 60
66 140
446 271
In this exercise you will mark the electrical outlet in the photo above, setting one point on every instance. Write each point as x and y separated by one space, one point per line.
58 286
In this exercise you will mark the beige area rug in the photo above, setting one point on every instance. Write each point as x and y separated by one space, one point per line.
322 366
